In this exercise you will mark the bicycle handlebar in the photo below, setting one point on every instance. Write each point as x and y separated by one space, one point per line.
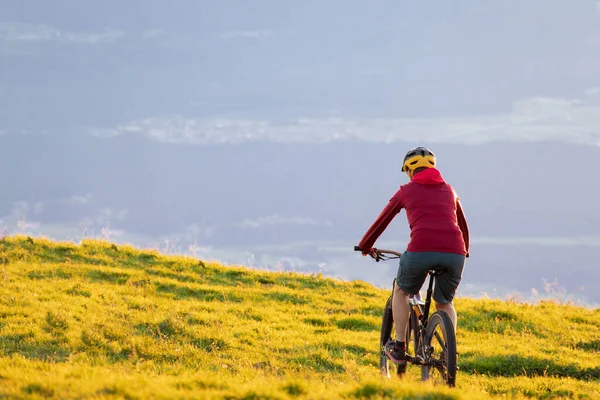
381 254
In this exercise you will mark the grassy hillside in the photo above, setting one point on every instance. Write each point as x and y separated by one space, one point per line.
98 320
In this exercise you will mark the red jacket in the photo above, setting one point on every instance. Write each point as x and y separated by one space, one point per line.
435 216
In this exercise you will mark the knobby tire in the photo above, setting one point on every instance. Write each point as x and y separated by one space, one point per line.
443 360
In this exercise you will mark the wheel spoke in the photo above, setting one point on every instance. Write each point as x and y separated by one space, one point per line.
441 341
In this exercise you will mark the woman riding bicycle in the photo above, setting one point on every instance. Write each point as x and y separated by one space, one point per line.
439 237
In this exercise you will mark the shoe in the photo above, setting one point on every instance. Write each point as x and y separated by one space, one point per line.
395 356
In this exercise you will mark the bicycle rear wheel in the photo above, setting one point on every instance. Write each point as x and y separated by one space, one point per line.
439 346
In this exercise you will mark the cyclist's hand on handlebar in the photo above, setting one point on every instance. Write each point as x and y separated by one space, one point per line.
379 254
371 252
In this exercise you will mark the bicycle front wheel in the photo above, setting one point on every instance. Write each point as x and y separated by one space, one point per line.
439 347
387 333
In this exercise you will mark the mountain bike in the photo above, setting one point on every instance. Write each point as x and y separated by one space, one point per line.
430 340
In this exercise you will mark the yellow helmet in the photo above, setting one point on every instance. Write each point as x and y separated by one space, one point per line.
419 157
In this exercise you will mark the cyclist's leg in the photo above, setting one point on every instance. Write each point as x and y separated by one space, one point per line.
400 311
446 284
412 272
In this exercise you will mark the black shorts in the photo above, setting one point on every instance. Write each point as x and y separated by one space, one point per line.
413 271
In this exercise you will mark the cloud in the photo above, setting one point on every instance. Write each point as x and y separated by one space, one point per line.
78 199
23 131
543 107
104 217
567 241
107 214
532 120
21 209
18 217
593 91
281 220
249 34
102 133
23 32
153 34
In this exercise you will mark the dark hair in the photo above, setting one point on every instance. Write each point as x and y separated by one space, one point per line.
419 170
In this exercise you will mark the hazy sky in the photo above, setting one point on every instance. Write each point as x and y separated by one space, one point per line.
271 133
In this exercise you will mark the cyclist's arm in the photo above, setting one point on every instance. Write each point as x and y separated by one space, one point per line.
386 216
462 223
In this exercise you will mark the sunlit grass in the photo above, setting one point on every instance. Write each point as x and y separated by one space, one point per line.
97 320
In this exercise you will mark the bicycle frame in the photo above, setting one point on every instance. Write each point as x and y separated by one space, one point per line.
422 312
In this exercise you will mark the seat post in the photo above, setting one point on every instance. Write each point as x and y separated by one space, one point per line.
428 299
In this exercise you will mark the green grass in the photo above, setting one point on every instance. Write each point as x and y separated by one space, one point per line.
96 320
